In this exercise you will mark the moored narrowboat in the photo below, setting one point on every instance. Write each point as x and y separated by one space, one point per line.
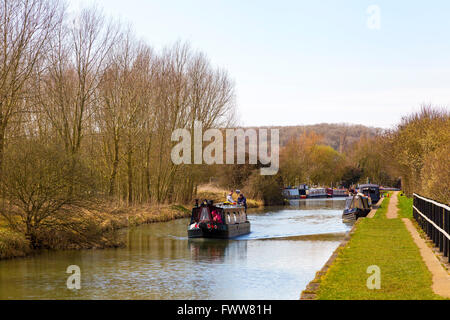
291 193
356 206
340 193
329 192
317 193
336 193
302 190
222 221
370 190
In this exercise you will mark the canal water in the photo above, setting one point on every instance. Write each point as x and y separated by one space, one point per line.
276 260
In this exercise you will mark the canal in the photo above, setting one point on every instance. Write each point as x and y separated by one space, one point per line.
276 261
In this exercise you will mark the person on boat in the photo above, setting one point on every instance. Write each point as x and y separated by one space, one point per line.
216 217
242 201
230 197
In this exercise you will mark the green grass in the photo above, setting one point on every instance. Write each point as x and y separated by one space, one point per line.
405 206
387 244
381 211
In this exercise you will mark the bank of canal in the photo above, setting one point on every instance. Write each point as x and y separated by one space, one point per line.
382 241
276 261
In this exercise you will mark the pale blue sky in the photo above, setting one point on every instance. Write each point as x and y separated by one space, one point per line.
305 62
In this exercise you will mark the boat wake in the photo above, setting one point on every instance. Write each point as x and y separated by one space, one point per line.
328 236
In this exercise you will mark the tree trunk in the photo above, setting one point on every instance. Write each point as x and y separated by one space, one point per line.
147 173
112 179
2 147
31 236
130 177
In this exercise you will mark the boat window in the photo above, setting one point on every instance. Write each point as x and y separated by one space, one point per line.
234 215
228 218
204 215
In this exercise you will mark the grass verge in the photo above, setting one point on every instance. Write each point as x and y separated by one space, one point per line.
405 206
388 245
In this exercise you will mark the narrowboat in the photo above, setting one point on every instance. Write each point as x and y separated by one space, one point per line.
222 221
302 190
317 193
329 192
340 193
370 190
336 193
356 206
291 193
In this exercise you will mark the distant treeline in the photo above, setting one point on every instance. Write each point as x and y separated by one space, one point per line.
413 156
339 136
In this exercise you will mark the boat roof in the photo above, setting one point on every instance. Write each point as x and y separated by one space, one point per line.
228 206
369 185
359 194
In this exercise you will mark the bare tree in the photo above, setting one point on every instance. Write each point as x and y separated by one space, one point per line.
26 27
36 185
77 60
126 106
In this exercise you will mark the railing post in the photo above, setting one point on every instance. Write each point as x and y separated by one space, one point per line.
447 229
441 225
436 221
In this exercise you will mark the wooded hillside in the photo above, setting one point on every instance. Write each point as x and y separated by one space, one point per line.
337 135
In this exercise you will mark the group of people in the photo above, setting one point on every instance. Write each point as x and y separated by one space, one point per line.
241 200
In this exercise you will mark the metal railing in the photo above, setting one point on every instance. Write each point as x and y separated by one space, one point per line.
434 219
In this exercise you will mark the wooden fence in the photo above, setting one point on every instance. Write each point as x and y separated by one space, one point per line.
434 218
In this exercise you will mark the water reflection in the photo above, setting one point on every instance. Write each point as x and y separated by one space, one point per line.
217 251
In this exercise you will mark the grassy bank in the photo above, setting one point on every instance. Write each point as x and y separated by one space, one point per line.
12 244
99 229
388 245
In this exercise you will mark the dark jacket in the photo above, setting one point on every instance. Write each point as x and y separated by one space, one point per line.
242 201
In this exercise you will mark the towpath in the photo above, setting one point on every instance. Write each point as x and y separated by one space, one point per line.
391 212
392 208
